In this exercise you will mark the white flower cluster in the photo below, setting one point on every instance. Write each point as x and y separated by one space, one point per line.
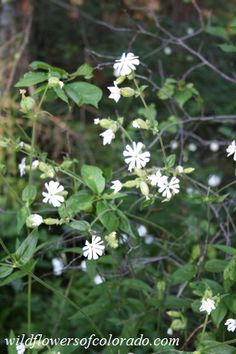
167 186
208 305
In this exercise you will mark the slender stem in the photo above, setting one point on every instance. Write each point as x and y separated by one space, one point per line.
146 107
29 305
204 325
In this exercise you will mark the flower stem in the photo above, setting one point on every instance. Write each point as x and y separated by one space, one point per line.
204 325
29 305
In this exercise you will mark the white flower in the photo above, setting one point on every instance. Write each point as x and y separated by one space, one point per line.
167 51
52 196
155 178
214 180
20 348
149 239
142 231
135 124
135 157
207 305
22 166
190 190
98 279
192 147
96 121
231 325
170 331
107 136
190 31
174 144
117 185
94 249
126 64
231 150
35 164
83 266
214 146
61 83
114 92
58 266
34 220
168 188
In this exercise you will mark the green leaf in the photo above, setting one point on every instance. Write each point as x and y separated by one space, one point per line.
80 201
230 302
26 250
185 273
215 265
61 94
226 249
21 218
136 284
107 216
84 93
167 90
149 113
5 270
124 224
41 65
84 70
31 78
11 349
217 31
228 48
29 194
81 225
12 277
93 178
170 161
219 313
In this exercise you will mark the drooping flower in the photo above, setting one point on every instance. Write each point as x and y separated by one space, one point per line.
94 249
207 305
35 164
116 186
58 266
22 166
231 325
34 220
107 136
135 124
114 92
214 181
126 64
168 188
20 348
231 150
53 196
134 157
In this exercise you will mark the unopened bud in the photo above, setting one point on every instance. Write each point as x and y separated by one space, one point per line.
52 221
27 104
112 240
54 81
127 92
120 79
189 170
144 188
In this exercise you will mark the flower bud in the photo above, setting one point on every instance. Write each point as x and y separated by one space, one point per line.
54 81
189 170
48 171
131 183
34 220
140 124
52 221
119 80
127 92
144 188
112 240
177 325
179 170
27 104
105 123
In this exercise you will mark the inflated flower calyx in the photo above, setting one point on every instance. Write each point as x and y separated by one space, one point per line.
141 124
120 80
178 324
144 188
27 104
107 123
54 81
112 240
52 221
48 171
127 92
188 170
131 183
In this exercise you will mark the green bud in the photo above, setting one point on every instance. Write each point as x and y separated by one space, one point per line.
144 188
106 123
52 221
139 172
54 81
141 124
131 183
174 314
120 79
27 104
48 171
179 324
189 170
127 92
161 287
